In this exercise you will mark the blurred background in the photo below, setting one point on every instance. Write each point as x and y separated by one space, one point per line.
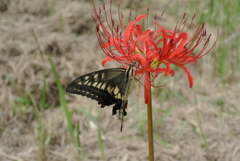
45 44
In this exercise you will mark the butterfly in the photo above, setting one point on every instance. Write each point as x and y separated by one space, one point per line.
108 87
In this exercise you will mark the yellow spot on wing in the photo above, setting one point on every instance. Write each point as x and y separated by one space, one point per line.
103 86
99 85
119 96
95 76
110 89
116 90
95 84
85 83
103 75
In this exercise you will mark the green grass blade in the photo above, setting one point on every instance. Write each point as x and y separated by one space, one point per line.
178 96
78 139
13 83
52 8
63 101
44 93
90 116
24 100
201 129
160 120
100 141
162 141
141 124
223 63
181 128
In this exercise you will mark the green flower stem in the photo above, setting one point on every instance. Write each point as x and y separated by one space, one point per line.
150 129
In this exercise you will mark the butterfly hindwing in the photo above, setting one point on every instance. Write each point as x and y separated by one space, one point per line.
105 86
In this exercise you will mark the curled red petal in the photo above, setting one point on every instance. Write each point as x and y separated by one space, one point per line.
107 60
139 18
189 75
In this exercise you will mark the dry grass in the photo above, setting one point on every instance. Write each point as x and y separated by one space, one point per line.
65 30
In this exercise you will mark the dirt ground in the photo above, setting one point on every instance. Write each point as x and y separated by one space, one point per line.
66 31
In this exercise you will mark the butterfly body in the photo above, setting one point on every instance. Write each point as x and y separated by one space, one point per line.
107 87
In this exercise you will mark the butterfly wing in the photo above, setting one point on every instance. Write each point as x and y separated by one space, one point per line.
106 86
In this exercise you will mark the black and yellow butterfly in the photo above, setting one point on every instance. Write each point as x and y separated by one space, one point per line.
108 87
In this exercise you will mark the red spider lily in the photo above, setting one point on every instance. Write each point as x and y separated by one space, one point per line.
150 48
